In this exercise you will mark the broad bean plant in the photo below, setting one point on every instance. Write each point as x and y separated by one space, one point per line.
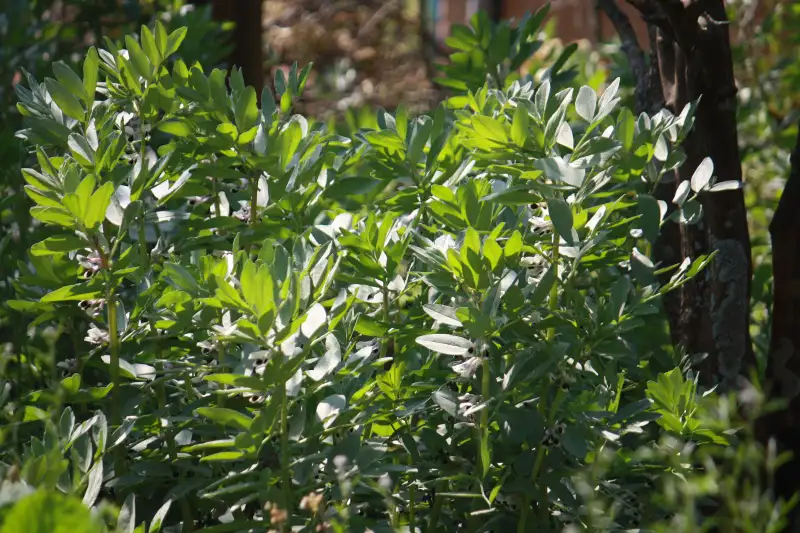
449 322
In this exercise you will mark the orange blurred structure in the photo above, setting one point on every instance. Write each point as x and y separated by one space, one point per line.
576 19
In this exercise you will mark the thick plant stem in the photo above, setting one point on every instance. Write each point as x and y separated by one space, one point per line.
386 340
525 508
144 256
253 200
286 475
551 332
436 511
484 419
113 336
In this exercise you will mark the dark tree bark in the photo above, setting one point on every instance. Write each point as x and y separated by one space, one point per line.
650 99
695 63
691 43
783 367
248 49
493 8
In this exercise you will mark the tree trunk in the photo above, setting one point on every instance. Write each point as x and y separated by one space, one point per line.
783 367
493 8
695 63
248 49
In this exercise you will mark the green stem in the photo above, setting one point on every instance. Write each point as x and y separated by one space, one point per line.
188 519
537 466
437 507
412 511
216 197
113 334
484 419
386 339
551 332
253 200
145 257
286 475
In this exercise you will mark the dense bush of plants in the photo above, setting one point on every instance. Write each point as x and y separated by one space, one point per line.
444 323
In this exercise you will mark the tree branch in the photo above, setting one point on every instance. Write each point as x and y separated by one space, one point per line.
630 45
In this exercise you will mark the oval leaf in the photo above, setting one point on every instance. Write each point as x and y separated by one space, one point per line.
446 344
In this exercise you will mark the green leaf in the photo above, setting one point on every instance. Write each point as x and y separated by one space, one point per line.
561 216
138 59
303 78
619 296
53 215
626 128
446 344
329 408
126 520
490 128
90 67
225 417
447 401
540 100
69 79
58 244
681 193
64 99
608 101
158 518
178 127
94 484
730 185
246 110
559 170
289 141
81 149
49 512
227 294
238 380
161 38
174 41
443 314
650 217
586 103
520 126
98 204
492 252
258 288
574 443
702 175
542 290
180 277
513 247
401 121
81 291
369 327
150 46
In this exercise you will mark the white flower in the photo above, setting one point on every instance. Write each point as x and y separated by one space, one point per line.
466 403
468 368
540 223
535 268
402 222
227 328
96 336
90 263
